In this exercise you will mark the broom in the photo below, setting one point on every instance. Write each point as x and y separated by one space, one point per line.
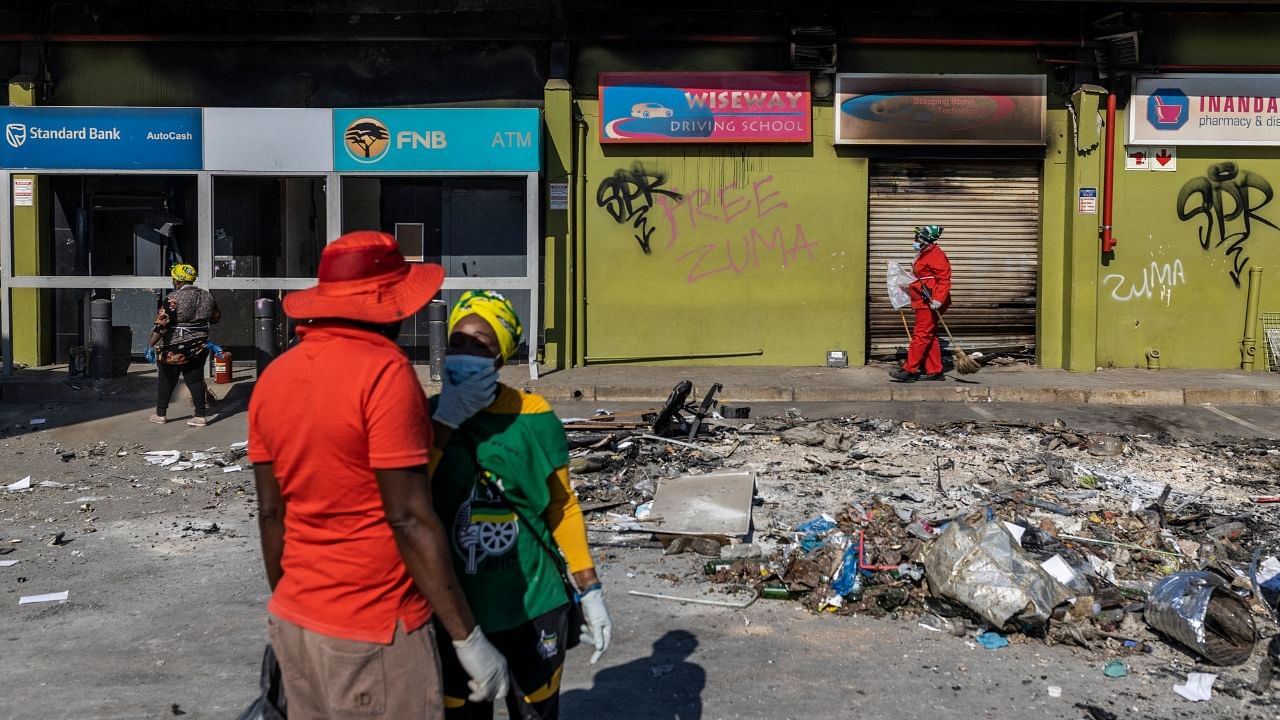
965 365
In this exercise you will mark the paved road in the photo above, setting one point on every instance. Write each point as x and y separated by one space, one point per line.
157 618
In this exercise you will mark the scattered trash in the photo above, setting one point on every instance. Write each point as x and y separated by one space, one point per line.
58 597
1054 691
1115 669
9 563
23 484
696 601
1199 610
231 469
992 640
1198 687
198 528
163 458
982 569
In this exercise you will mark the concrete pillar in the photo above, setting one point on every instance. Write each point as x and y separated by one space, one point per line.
32 308
559 175
1083 252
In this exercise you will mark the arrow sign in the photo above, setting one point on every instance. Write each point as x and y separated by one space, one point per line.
1166 159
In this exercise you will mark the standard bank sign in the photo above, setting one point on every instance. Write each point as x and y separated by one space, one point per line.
101 138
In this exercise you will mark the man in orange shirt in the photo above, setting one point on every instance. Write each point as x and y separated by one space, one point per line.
357 560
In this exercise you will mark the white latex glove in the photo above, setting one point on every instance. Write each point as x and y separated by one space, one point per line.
485 665
935 304
460 401
599 627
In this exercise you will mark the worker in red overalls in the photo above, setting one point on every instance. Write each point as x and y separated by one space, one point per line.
930 296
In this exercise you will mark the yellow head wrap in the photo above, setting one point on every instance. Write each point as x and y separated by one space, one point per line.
183 273
497 311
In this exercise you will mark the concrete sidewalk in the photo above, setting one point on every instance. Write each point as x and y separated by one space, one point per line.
631 383
871 384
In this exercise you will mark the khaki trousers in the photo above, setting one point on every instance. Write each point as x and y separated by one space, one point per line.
327 678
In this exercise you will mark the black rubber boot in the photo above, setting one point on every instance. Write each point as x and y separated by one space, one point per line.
903 376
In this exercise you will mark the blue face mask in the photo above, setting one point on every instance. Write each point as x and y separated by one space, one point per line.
917 246
461 367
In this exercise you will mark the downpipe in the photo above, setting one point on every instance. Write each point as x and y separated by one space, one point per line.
1109 175
1249 344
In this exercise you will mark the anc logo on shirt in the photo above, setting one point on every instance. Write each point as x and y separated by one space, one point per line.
484 527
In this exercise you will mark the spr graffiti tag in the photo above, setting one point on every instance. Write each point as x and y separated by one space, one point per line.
730 230
1229 199
629 195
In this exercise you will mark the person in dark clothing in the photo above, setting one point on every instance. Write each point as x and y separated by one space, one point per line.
180 338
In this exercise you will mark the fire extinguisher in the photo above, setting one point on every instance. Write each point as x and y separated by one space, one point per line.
222 368
221 364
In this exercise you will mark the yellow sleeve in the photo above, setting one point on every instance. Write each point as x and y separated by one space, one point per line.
564 517
433 461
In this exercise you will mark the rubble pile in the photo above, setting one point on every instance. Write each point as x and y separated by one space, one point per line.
1119 544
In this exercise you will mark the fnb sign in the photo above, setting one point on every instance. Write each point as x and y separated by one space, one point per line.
437 139
428 139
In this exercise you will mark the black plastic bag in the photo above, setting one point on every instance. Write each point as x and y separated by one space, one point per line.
271 704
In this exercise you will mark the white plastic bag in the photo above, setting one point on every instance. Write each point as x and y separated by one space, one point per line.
898 280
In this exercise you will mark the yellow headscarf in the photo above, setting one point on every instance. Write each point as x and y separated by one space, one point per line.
183 273
497 311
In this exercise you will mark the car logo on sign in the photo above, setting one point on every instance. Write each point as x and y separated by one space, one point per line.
15 134
367 140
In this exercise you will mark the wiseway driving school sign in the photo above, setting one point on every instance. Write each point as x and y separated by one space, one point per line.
728 107
1202 109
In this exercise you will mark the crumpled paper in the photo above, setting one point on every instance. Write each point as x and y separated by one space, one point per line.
1198 688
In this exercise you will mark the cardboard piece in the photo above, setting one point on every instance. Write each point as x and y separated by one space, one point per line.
712 504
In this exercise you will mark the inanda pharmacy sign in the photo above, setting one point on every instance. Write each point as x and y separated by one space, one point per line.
1205 110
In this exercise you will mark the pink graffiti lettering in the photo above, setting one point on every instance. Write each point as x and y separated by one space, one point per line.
739 202
719 257
761 210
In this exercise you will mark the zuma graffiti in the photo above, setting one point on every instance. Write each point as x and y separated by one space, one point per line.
1229 200
1158 278
629 195
728 230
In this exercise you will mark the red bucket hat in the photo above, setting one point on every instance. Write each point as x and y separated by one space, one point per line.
363 277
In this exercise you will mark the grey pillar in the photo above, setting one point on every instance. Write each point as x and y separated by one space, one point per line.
100 338
437 330
264 332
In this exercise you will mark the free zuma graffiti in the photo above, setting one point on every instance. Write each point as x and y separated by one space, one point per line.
628 196
1158 278
1229 199
734 228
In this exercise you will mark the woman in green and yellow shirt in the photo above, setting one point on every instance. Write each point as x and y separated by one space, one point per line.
500 482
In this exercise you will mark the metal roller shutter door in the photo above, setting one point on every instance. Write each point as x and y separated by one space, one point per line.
991 215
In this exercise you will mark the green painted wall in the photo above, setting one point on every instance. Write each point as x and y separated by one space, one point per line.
32 308
1163 290
765 249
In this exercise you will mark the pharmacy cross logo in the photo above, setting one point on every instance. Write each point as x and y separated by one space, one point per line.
15 134
367 140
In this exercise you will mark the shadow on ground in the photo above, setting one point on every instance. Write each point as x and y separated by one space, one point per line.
663 686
